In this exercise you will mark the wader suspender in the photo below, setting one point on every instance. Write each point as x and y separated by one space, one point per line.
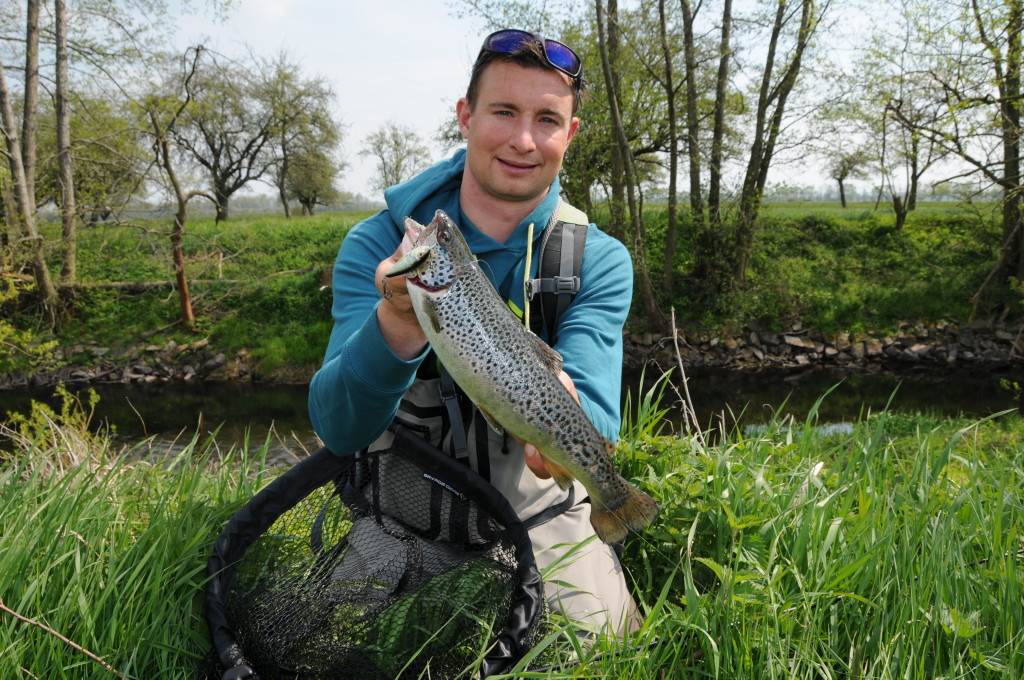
561 256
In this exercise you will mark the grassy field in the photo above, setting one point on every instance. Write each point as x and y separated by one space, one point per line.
893 551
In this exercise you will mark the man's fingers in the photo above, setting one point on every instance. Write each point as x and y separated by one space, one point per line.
389 287
536 462
564 378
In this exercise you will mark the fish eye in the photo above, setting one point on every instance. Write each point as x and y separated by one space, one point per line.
444 235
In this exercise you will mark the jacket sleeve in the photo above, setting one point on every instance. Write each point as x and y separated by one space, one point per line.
356 392
590 330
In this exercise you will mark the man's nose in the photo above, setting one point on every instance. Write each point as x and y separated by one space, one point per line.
522 138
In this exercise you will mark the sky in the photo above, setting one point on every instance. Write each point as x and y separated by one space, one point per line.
406 61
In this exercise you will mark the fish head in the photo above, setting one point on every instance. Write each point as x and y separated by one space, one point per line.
437 252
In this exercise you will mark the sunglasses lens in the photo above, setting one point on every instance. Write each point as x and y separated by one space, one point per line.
508 41
561 56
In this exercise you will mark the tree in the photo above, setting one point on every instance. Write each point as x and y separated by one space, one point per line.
165 111
310 179
655 319
843 164
226 128
890 104
399 151
23 199
969 52
29 116
67 183
109 156
722 248
303 128
668 82
785 54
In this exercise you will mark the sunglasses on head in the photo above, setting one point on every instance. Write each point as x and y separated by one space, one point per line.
559 55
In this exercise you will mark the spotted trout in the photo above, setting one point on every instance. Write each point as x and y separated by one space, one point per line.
512 375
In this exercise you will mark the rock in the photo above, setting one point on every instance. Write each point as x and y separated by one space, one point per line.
797 341
216 362
920 349
873 347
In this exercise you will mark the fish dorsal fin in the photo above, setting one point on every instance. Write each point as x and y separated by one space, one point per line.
551 359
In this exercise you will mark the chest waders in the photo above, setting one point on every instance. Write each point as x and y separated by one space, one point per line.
443 415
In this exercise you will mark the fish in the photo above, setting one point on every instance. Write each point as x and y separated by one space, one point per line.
510 374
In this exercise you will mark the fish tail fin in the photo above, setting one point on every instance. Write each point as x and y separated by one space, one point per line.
634 514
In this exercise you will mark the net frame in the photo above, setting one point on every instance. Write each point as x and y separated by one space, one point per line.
527 604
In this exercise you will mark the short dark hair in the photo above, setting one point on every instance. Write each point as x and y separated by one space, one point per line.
529 55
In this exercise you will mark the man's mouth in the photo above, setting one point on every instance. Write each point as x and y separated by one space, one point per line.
513 165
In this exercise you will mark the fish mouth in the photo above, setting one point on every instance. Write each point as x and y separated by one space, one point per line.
418 282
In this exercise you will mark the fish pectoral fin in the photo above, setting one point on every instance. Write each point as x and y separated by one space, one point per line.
563 478
495 425
551 359
431 314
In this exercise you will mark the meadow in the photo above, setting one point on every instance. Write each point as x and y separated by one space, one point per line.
891 551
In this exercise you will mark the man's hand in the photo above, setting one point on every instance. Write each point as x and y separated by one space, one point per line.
395 314
534 460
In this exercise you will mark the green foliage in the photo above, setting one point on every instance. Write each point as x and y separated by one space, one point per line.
835 269
890 552
110 553
20 348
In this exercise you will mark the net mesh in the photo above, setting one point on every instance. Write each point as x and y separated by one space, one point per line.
382 572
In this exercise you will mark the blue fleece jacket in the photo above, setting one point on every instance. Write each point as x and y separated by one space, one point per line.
356 393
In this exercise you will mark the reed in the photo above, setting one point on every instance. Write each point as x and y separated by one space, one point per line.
892 550
103 555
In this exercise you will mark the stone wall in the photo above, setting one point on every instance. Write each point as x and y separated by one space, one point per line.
942 344
983 344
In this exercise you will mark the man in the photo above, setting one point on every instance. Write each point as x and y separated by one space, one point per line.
518 118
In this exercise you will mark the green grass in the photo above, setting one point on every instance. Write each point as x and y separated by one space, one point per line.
257 282
829 268
889 552
109 552
838 269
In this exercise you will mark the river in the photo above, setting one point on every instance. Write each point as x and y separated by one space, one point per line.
168 416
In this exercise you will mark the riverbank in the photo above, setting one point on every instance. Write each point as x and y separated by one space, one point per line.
986 345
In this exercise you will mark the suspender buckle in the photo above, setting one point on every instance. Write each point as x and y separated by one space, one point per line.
564 285
559 285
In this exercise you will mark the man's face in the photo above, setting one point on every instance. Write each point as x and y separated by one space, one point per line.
518 132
